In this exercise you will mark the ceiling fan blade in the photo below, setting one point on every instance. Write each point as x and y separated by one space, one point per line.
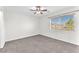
41 12
44 10
32 10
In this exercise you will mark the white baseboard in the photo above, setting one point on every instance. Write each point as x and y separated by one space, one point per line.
17 38
38 34
60 39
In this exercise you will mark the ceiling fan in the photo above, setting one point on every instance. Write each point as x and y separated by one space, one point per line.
38 9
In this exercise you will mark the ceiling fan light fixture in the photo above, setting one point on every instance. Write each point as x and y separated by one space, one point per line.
38 10
33 8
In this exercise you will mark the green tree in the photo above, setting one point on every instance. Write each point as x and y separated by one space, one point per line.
69 24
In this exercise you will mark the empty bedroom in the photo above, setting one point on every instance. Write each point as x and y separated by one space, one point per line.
39 29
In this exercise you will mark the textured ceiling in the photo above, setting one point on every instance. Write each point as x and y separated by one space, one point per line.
26 9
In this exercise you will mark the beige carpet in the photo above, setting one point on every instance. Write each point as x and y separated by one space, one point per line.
39 44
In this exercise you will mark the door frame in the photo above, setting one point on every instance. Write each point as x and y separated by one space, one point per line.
2 30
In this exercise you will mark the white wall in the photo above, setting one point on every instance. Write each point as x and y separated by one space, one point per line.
19 25
71 36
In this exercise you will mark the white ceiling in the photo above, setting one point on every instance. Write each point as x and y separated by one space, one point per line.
26 9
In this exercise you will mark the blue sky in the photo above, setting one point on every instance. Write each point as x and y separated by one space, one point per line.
61 20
